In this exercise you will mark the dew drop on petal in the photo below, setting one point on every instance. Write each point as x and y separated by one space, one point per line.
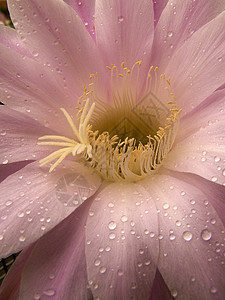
214 178
112 236
172 237
35 53
120 272
206 235
178 223
147 262
112 225
187 236
124 218
166 205
37 296
120 19
22 238
97 262
213 290
49 292
102 270
174 293
217 158
107 248
170 34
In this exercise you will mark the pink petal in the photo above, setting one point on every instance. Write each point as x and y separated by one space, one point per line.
85 9
158 6
214 192
191 237
9 169
34 201
178 21
33 89
201 141
10 287
197 67
159 290
10 39
121 249
57 37
118 27
57 266
19 136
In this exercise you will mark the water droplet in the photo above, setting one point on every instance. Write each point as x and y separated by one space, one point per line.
107 248
206 235
112 225
8 203
187 236
223 172
124 219
151 234
120 273
35 53
22 238
112 236
217 158
220 59
1 237
213 290
43 227
133 286
172 237
20 214
97 262
49 292
214 178
174 293
5 162
51 276
120 19
166 205
170 34
37 296
102 270
147 262
3 133
178 223
160 236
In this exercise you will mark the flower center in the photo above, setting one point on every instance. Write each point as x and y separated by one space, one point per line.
127 138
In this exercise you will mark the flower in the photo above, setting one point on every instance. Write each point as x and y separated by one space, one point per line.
135 213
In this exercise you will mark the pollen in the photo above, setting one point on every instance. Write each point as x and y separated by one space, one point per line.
128 137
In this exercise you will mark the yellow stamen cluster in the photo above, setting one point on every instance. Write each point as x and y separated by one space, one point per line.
115 157
70 145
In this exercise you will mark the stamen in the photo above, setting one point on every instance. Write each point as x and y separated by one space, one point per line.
114 156
71 146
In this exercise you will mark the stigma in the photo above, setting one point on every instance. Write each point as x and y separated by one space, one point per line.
126 138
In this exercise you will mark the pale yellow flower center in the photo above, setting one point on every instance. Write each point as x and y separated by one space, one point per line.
128 138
